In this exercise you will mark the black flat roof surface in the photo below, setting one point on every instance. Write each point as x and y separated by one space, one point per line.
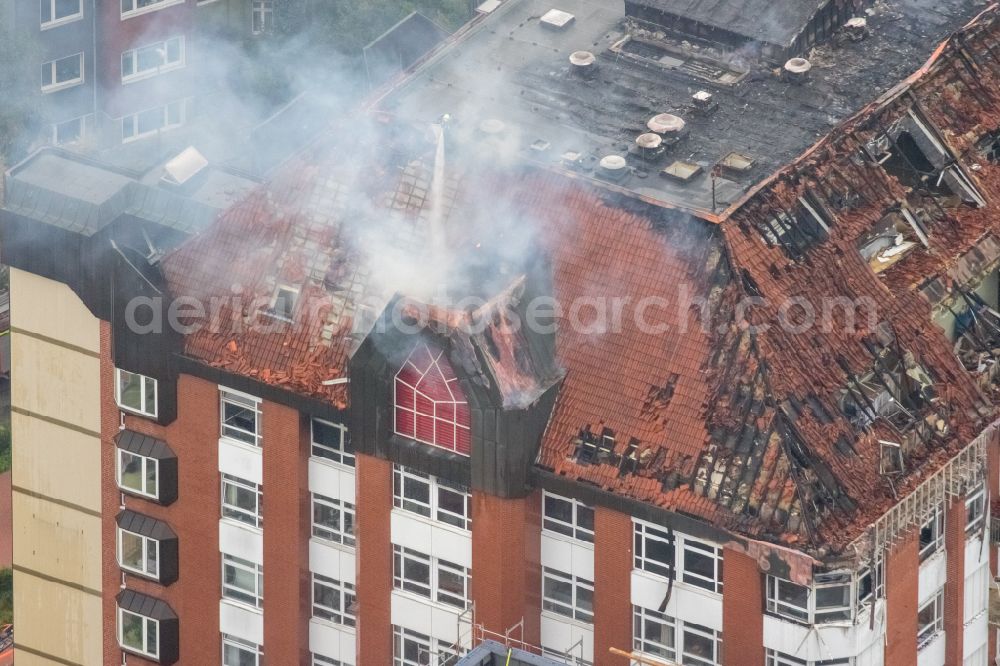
513 68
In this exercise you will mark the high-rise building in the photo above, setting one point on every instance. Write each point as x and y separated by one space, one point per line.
650 351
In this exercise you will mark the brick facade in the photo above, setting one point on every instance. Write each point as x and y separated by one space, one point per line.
901 593
612 585
194 516
374 579
742 610
506 574
287 582
954 589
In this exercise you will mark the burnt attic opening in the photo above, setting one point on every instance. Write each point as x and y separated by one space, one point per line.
896 389
910 166
971 322
990 147
796 230
895 235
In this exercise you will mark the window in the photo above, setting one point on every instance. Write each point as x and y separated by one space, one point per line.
62 73
262 17
568 517
333 520
787 599
701 565
283 302
332 442
977 592
975 511
700 646
436 579
242 501
932 534
320 660
567 595
654 549
70 131
135 393
138 633
55 12
870 584
242 581
431 497
430 404
138 554
130 7
653 633
238 652
152 59
137 474
152 121
830 599
333 600
414 649
775 658
240 417
930 620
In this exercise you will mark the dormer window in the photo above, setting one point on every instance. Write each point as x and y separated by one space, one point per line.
430 405
283 305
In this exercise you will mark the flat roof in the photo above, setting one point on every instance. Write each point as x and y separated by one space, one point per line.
512 68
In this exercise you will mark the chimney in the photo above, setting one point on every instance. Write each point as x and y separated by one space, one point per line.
797 70
583 63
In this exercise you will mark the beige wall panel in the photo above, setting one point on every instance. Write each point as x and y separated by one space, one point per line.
50 308
57 620
57 541
56 462
55 382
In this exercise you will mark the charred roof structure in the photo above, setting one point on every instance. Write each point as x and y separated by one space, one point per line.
854 208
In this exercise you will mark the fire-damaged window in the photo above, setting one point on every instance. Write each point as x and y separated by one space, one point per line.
932 533
795 230
430 404
892 238
911 153
897 389
829 599
972 322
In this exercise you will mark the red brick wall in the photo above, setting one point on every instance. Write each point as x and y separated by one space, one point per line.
612 585
902 567
374 556
287 593
954 589
506 548
194 516
742 610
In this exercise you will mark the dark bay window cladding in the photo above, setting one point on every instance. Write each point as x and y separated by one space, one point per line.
430 405
147 627
146 467
146 547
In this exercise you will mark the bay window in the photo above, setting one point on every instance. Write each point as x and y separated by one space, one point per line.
135 392
147 627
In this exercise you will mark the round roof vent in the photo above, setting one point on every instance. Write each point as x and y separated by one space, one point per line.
491 126
582 58
858 22
798 66
665 123
649 140
612 163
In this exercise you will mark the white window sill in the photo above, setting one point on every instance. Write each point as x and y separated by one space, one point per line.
937 555
138 653
326 461
448 608
56 87
654 576
930 641
202 3
330 623
137 493
58 23
552 615
350 550
438 524
565 538
135 412
240 443
147 135
152 8
238 523
151 73
690 587
242 605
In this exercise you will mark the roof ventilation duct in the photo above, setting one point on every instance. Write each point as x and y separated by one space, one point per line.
612 167
797 70
557 19
583 63
857 28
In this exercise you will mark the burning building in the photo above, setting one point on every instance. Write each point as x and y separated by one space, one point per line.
753 420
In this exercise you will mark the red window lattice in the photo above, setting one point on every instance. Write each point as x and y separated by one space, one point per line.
430 406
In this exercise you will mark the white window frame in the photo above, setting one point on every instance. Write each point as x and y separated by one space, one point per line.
340 534
552 524
81 121
317 659
149 546
404 477
699 549
132 120
641 642
693 659
146 461
163 49
256 650
236 433
265 10
143 393
439 653
146 621
937 524
247 567
644 532
154 6
341 454
431 589
575 609
977 497
812 613
346 615
927 635
776 658
56 22
63 85
254 518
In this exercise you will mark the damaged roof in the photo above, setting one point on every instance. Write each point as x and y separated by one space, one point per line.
764 426
513 68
